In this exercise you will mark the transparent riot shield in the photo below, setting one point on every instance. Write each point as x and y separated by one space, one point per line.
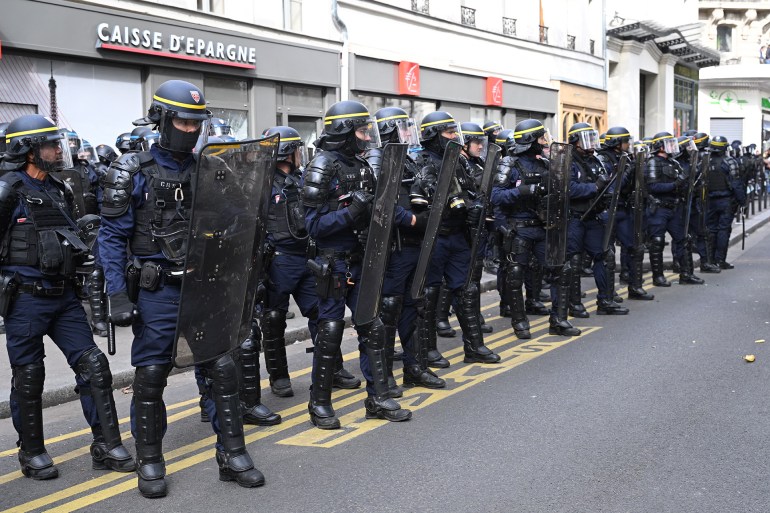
231 190
557 204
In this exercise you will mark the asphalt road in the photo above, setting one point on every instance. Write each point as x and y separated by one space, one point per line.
653 412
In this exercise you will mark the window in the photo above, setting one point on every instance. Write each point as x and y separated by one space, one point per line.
684 104
570 42
421 6
292 15
509 26
725 38
468 16
642 104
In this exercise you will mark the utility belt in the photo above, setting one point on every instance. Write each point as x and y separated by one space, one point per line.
670 204
149 275
524 223
330 284
11 286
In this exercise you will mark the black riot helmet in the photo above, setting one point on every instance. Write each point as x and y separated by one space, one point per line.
504 139
178 110
349 129
751 149
685 144
701 140
123 142
433 125
616 137
395 126
475 140
718 144
492 128
736 146
664 141
690 133
138 135
291 144
584 134
106 154
39 135
3 126
526 135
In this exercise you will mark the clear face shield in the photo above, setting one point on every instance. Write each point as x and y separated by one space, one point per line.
180 134
476 146
88 153
689 146
453 133
368 136
588 139
74 143
408 132
670 145
221 130
53 155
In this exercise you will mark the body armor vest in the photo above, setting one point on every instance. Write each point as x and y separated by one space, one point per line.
163 219
527 176
717 179
286 216
590 169
349 179
45 238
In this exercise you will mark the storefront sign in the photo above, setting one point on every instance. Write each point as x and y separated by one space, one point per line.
174 46
408 78
728 101
494 91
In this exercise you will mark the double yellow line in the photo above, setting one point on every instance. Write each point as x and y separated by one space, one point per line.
200 450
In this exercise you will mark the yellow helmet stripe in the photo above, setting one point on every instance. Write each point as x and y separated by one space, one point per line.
28 132
517 135
474 133
492 127
663 137
397 116
328 119
284 139
613 136
698 141
580 130
448 120
717 143
178 104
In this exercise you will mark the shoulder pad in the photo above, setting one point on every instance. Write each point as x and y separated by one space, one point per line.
318 175
373 157
504 170
118 183
733 168
606 162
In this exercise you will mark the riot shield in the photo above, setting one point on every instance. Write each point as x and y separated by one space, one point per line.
557 204
485 190
438 203
231 190
613 208
688 196
639 187
379 236
703 195
72 178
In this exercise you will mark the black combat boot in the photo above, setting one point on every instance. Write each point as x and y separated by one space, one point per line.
656 262
327 345
390 311
636 278
514 280
473 339
149 383
253 411
687 277
276 364
558 323
27 393
380 405
576 308
435 359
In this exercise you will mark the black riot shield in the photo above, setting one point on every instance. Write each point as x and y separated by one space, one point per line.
232 186
613 208
639 188
557 204
485 190
72 178
438 203
702 197
690 190
379 234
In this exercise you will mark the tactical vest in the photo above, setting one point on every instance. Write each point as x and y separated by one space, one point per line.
45 238
717 179
349 177
531 203
590 169
162 222
286 215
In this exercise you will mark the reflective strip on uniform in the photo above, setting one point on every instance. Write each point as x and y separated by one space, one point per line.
178 104
328 119
28 132
517 135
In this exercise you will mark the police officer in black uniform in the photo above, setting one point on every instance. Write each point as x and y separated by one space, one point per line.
686 268
123 142
451 258
726 194
42 245
147 196
699 229
3 129
517 196
337 195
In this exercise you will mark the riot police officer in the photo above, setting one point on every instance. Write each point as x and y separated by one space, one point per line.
451 258
43 244
222 129
517 198
726 194
106 156
147 197
618 142
586 226
123 142
666 185
3 129
337 194
698 225
684 155
399 312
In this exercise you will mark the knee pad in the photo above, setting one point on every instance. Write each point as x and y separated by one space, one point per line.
514 277
658 242
609 259
391 309
94 368
274 324
376 339
329 337
150 381
223 374
576 261
28 380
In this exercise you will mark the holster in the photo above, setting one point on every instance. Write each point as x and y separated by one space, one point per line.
506 236
132 282
9 283
329 285
149 276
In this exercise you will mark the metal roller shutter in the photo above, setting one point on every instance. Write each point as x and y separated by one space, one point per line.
731 128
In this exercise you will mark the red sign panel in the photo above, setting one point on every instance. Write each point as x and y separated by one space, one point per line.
494 91
408 78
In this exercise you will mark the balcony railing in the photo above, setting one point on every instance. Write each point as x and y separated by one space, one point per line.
468 16
543 34
421 6
509 27
570 42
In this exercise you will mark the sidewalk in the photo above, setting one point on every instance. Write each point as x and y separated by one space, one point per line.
60 380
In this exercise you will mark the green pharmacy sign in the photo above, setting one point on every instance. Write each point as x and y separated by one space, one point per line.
728 101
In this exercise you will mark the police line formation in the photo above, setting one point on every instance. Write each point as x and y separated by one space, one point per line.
424 201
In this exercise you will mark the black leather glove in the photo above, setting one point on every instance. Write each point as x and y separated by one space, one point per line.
422 220
361 204
527 190
121 309
602 182
474 215
680 184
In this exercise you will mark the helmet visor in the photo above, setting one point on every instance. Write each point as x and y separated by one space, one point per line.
453 133
588 139
689 146
368 135
74 143
475 145
53 155
408 132
546 139
88 153
670 146
220 130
